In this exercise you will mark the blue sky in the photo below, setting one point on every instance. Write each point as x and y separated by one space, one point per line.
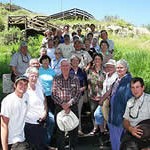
136 12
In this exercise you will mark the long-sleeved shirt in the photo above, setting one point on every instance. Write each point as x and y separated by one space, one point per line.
64 91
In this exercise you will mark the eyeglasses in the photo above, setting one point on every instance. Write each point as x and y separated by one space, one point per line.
57 53
135 116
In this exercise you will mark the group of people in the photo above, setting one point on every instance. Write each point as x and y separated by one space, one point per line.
73 69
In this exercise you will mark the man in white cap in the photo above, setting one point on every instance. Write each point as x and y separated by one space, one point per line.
13 112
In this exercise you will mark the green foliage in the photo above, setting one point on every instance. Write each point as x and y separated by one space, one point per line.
34 44
2 26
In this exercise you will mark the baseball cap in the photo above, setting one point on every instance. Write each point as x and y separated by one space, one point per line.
23 43
21 77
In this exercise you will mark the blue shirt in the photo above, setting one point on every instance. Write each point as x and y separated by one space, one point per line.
46 77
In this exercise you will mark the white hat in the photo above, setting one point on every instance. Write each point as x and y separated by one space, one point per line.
67 122
111 62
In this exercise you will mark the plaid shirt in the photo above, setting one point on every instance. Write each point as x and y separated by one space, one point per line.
64 91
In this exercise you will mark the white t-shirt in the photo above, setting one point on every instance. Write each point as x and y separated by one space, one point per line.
36 105
15 109
66 49
51 52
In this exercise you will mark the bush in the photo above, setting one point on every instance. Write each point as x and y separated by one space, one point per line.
2 26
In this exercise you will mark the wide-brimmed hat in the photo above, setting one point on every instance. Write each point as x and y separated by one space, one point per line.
111 62
145 126
67 122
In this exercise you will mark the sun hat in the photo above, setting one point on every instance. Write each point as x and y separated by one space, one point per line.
145 126
67 122
111 62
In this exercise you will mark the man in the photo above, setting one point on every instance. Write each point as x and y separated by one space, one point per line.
66 47
13 112
20 61
137 110
34 62
66 93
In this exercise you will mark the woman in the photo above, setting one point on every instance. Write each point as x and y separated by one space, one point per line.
101 112
119 96
75 70
104 47
35 132
46 75
55 63
95 85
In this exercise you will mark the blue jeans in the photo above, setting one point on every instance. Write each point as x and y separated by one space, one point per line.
99 119
50 124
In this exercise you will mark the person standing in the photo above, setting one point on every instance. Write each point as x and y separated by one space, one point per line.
66 94
82 76
13 111
120 94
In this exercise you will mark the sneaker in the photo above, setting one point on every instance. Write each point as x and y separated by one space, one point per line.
94 131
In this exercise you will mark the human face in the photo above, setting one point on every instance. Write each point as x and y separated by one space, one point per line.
137 89
104 35
77 46
110 69
33 78
58 54
75 62
45 63
24 50
35 63
21 87
65 67
121 70
104 47
98 61
87 44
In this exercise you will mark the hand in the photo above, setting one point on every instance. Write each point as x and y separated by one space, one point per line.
82 89
95 98
136 131
67 105
100 103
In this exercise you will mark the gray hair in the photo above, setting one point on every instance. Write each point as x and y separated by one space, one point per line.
124 63
31 70
33 60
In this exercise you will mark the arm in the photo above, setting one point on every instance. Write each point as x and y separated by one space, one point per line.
55 93
44 115
4 132
135 131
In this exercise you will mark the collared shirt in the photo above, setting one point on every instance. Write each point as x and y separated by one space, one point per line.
55 65
20 61
84 56
139 108
64 91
